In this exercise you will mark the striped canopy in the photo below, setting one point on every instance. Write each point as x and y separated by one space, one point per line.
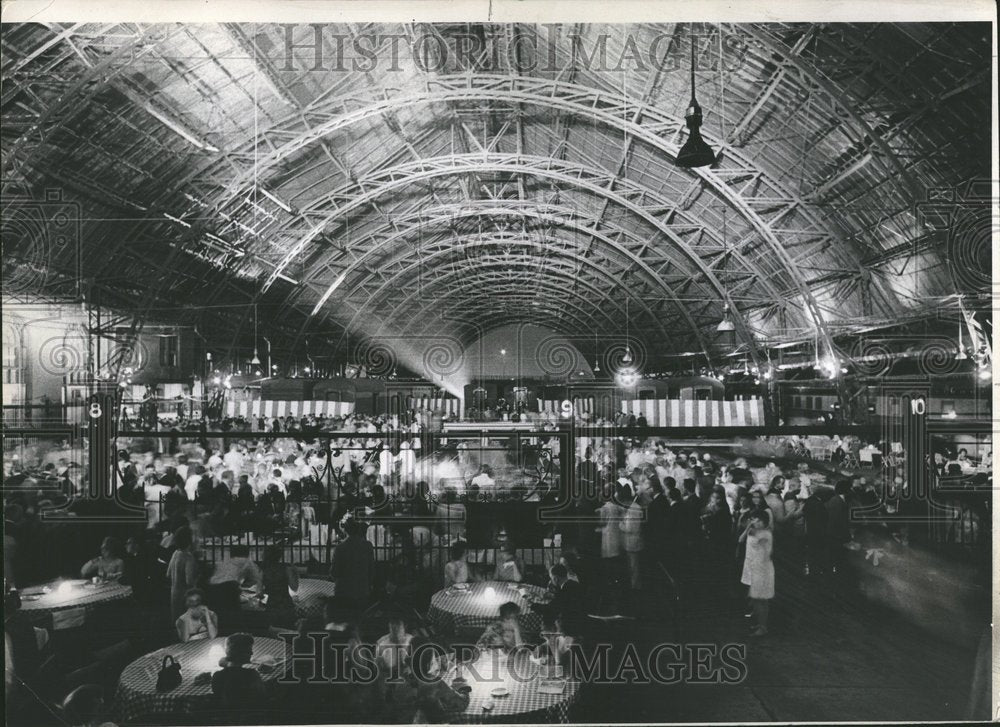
697 413
452 407
272 408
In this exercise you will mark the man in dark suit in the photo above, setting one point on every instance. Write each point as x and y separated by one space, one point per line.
838 530
689 517
567 604
688 523
353 567
815 515
657 523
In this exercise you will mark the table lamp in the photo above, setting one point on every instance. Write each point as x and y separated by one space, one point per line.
216 654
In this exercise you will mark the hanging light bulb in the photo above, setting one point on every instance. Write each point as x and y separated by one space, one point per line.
695 152
960 355
627 358
726 324
255 361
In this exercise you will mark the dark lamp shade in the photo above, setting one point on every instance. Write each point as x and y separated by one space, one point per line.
695 152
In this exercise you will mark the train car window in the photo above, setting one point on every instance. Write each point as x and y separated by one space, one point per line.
817 402
333 396
647 394
702 394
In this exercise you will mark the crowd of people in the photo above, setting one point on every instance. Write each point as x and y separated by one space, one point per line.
643 517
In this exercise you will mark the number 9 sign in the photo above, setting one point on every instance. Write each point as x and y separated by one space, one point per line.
566 408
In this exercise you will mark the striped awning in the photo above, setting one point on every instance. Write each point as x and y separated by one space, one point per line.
555 405
272 408
697 413
452 407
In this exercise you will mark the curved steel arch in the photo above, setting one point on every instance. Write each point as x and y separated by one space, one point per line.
479 278
653 125
545 213
574 320
649 123
488 242
405 174
839 109
459 266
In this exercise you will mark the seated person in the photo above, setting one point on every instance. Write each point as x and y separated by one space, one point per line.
567 603
280 580
234 686
234 573
339 693
391 648
569 561
108 566
509 566
505 632
556 644
456 570
197 622
421 696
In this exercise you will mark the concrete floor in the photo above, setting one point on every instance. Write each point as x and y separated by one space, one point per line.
831 655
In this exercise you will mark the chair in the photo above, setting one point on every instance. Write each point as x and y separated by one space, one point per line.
84 704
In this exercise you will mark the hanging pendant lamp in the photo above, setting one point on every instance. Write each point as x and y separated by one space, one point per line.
627 358
960 355
255 361
695 152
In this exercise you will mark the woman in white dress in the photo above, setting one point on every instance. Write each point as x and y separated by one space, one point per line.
758 569
631 528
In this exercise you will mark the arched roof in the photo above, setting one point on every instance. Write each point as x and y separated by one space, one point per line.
525 175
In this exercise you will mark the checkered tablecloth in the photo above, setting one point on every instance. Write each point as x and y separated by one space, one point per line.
83 597
451 608
521 678
137 697
310 599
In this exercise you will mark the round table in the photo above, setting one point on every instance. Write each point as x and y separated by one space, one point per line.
309 601
522 678
137 697
453 608
68 602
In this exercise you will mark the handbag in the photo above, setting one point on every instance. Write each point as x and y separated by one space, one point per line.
169 676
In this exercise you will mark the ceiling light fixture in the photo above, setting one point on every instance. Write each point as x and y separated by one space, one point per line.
726 324
597 360
695 152
255 361
627 358
960 354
